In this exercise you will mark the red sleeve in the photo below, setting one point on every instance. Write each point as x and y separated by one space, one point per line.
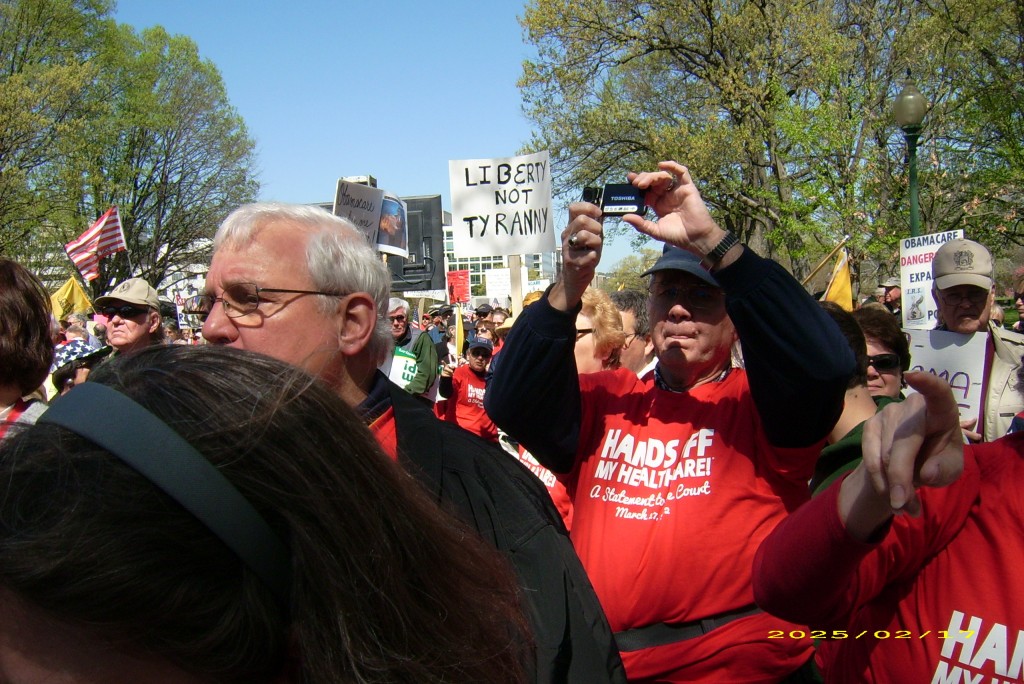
811 571
800 567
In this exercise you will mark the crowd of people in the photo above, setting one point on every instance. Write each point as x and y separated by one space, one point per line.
718 479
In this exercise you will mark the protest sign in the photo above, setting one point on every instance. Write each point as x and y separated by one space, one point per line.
378 215
436 295
360 204
502 206
393 232
498 283
400 367
916 254
458 286
956 358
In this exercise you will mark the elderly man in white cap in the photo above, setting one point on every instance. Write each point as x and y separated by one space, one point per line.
133 312
963 289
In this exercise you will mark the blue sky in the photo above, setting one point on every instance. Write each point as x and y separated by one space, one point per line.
390 88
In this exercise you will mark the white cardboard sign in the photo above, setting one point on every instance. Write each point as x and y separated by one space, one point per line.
502 206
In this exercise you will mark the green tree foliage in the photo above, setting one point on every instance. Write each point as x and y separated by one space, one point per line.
46 73
782 110
626 274
155 136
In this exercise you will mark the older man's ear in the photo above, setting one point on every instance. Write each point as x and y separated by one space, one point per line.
357 319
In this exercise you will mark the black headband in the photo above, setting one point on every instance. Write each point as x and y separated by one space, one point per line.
162 456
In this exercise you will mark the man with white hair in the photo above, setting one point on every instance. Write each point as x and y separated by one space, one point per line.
299 284
414 363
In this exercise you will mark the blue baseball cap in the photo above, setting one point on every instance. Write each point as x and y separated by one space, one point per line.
674 259
481 343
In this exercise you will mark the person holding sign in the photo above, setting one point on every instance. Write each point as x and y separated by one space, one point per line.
676 477
964 290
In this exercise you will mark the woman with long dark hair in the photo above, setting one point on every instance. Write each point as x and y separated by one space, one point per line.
198 514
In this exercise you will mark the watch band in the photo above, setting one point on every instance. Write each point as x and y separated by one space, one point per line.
723 246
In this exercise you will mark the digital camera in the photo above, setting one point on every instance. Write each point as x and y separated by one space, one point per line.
617 199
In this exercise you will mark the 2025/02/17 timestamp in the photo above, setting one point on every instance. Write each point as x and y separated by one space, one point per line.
867 634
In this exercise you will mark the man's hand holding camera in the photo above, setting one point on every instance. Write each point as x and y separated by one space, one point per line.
582 241
683 218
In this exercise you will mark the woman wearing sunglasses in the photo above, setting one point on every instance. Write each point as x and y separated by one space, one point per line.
888 352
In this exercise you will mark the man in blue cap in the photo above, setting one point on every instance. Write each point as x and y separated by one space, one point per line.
676 477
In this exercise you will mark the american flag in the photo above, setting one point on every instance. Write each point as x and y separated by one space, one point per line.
102 239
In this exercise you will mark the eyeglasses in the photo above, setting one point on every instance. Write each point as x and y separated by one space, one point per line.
583 332
480 352
400 318
694 297
884 363
124 311
240 299
974 295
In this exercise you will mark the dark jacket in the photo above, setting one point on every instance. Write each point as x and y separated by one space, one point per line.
511 510
797 361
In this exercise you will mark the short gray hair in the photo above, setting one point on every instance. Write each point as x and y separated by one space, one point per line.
397 303
338 257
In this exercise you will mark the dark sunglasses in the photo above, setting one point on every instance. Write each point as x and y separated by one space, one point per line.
885 363
400 318
126 311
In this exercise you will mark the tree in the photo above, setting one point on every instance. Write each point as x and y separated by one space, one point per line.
46 75
626 275
172 154
781 109
154 135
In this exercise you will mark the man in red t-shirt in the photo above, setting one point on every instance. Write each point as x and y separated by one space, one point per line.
464 388
677 476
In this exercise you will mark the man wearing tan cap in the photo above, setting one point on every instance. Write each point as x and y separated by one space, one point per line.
893 296
963 289
133 310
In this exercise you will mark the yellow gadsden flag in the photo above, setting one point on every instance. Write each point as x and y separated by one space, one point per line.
840 290
70 298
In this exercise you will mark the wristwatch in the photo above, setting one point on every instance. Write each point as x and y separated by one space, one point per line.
723 246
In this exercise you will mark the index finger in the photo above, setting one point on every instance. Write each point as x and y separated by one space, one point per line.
585 209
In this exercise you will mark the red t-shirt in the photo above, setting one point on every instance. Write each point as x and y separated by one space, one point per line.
940 599
386 433
672 493
465 407
555 488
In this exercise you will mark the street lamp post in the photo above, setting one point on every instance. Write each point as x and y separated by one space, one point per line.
909 110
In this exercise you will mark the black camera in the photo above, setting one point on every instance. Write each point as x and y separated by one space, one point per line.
617 199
